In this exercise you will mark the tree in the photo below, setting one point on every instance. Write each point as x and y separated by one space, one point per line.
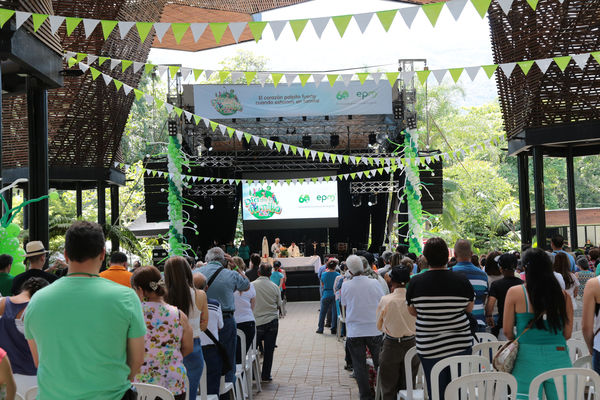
243 60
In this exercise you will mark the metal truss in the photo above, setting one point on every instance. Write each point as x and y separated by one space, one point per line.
211 189
374 187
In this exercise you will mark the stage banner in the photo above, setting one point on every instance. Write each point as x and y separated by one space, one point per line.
255 101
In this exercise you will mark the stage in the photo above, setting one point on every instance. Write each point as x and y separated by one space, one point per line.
302 283
294 264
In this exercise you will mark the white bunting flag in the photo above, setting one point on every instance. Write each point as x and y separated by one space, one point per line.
363 20
346 78
70 54
185 72
256 139
161 70
506 4
508 68
270 143
439 74
127 89
407 76
169 107
91 59
339 158
456 7
472 72
318 78
55 22
124 28
313 154
376 77
223 129
262 77
359 174
137 66
346 176
89 25
239 134
543 64
198 29
161 28
149 99
206 122
114 63
387 169
319 25
289 78
106 78
277 27
236 29
286 148
208 73
353 160
236 77
21 17
408 14
581 59
83 67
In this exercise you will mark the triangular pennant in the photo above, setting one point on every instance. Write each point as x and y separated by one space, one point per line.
256 139
533 3
208 73
456 7
89 25
332 78
346 79
294 149
197 73
408 14
562 62
581 59
341 23
276 78
127 89
508 68
543 64
257 28
363 20
247 136
439 74
596 55
83 67
455 73
72 23
218 29
391 77
525 66
278 146
143 29
5 15
179 29
188 115
386 18
319 25
161 28
107 27
236 29
91 59
481 6
148 68
362 76
223 75
270 144
289 78
490 69
150 100
118 84
423 75
38 20
432 11
21 17
169 107
304 78
239 134
298 26
277 28
106 78
264 141
197 29
230 131
505 5
178 111
213 125
125 64
124 28
317 78
173 70
113 63
249 75
472 72
197 120
137 66
95 73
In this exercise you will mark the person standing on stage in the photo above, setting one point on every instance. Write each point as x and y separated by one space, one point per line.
244 252
276 248
293 250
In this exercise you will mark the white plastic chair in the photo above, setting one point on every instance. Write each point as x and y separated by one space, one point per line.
18 397
241 370
203 390
571 382
483 337
256 367
583 362
487 349
482 386
341 320
459 366
228 387
415 390
577 335
147 391
577 349
31 393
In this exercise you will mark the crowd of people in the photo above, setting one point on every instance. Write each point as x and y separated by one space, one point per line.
83 333
439 301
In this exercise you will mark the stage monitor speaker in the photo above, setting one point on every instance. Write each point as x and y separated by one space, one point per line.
432 197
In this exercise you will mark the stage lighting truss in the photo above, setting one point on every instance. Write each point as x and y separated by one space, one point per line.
306 141
210 190
374 187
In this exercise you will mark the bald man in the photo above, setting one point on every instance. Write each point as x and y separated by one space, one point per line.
477 278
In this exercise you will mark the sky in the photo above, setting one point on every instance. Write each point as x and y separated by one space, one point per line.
449 44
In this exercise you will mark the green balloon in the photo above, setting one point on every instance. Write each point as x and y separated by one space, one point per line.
17 269
53 196
13 230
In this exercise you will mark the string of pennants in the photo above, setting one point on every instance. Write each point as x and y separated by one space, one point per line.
280 146
562 62
178 29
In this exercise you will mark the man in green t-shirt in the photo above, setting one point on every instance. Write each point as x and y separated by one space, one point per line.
86 334
5 277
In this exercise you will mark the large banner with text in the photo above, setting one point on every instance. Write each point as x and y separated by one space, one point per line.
255 101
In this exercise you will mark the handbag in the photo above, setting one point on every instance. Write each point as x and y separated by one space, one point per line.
504 359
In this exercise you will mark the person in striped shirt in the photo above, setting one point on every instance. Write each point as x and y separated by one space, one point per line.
478 279
440 300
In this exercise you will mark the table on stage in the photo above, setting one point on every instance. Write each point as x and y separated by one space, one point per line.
300 263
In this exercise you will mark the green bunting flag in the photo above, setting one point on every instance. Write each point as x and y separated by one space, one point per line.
320 155
248 137
533 3
257 28
38 20
148 68
332 78
304 78
276 78
197 73
455 73
138 94
197 119
180 28
392 76
562 62
423 75
95 73
159 103
213 125
125 64
294 149
525 66
432 11
173 70
481 6
223 75
178 111
143 29
490 69
298 26
5 15
341 23
118 84
72 24
249 75
107 27
218 29
306 153
386 18
71 61
263 141
596 55
230 131
102 60
278 146
362 76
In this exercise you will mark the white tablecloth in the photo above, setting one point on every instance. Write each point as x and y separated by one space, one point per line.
291 262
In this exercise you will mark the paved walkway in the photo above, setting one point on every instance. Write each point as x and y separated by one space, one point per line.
307 365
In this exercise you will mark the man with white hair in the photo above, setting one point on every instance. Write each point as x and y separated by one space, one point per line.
222 282
361 296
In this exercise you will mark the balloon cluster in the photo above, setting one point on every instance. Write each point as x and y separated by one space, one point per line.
9 234
413 194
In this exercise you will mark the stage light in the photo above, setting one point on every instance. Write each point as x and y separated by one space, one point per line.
334 140
372 200
212 206
172 127
356 200
306 141
372 139
208 143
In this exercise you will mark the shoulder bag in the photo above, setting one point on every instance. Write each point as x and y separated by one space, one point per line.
504 359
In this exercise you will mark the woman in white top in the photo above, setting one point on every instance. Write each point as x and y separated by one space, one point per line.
244 317
562 265
182 294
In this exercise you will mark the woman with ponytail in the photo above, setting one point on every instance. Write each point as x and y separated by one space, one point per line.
543 314
168 334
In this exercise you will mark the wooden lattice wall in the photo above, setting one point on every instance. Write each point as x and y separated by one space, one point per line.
554 29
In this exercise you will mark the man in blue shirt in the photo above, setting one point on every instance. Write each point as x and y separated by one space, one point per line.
557 242
221 289
328 296
478 279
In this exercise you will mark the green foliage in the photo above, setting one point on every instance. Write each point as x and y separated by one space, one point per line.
243 60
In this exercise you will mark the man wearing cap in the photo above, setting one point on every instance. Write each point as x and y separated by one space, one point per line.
361 296
498 289
398 326
36 257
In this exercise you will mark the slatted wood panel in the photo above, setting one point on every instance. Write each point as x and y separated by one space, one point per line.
555 29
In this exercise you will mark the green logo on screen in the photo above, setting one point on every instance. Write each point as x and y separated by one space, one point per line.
342 94
227 103
262 203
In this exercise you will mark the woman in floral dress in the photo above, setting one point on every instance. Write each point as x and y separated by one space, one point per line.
168 334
